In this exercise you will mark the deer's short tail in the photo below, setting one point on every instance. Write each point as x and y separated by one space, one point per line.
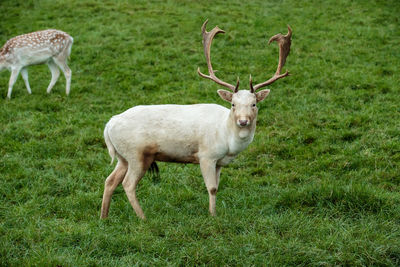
110 146
69 45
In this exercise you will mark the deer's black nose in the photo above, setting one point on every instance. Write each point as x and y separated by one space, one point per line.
243 122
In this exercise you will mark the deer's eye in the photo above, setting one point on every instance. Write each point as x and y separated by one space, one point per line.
253 105
233 105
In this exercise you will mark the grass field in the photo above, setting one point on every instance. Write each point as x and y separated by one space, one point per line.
319 185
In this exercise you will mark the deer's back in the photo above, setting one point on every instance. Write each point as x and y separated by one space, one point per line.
164 120
36 47
167 130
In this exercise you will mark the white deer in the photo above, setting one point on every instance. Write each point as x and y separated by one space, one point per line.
208 134
52 47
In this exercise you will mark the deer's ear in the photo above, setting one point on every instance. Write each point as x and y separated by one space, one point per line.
225 95
260 96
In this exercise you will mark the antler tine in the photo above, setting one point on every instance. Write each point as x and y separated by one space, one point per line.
284 42
207 40
251 85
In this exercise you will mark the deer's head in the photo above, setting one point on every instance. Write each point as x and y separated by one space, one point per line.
243 102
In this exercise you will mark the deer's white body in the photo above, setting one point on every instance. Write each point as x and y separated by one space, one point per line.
185 133
207 134
52 47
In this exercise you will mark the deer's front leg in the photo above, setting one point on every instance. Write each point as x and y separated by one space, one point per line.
13 78
218 174
24 74
209 172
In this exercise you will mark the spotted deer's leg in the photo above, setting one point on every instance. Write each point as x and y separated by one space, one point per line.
24 74
55 73
61 61
13 78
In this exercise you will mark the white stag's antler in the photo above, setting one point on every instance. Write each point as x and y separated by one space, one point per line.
284 42
207 40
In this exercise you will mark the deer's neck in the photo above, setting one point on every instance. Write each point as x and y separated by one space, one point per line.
239 137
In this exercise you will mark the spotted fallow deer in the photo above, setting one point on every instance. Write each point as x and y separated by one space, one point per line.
207 134
52 47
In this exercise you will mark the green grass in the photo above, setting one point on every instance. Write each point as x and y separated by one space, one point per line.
319 186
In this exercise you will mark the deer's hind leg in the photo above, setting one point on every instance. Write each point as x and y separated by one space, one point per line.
137 167
55 73
61 61
111 183
24 74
